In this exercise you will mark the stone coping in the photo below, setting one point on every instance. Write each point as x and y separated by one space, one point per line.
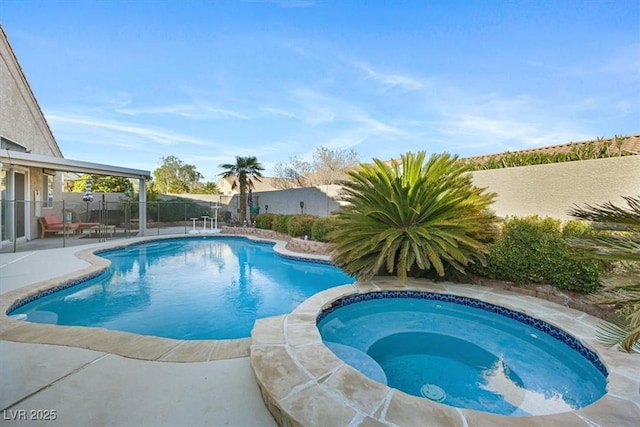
304 384
125 344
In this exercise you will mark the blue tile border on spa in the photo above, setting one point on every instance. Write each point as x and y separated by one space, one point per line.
538 324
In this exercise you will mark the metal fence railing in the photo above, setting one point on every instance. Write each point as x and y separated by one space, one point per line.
27 225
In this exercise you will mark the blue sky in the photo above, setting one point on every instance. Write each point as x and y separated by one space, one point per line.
127 83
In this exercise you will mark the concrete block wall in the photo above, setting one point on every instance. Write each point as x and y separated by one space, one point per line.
552 189
545 190
319 201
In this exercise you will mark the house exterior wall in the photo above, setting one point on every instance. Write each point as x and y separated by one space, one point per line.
21 119
552 189
22 122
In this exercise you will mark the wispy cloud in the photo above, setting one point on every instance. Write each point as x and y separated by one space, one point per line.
277 112
164 137
119 100
196 111
178 110
391 80
487 126
500 134
376 126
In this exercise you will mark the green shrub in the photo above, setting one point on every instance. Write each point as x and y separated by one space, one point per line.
264 221
280 223
321 227
300 225
577 229
533 249
598 149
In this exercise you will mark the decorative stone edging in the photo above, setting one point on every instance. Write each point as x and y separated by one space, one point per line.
304 384
292 243
116 342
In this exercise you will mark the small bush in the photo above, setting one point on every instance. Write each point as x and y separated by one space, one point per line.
321 227
264 221
532 249
577 229
300 225
279 223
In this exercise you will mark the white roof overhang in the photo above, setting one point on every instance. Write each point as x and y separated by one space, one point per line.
17 158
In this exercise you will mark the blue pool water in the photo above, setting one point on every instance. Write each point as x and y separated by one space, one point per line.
461 356
191 288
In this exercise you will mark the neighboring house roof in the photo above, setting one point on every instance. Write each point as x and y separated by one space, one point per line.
15 72
266 183
631 145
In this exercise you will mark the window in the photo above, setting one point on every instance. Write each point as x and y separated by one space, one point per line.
48 192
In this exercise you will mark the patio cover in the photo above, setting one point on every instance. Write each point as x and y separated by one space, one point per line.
17 158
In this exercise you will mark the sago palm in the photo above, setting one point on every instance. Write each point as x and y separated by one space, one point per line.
411 215
619 240
244 169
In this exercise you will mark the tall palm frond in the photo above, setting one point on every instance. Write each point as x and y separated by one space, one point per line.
411 215
618 240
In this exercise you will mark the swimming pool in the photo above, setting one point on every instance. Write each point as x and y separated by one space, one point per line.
463 353
186 288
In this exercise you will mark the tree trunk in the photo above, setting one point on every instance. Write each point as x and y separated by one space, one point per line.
243 199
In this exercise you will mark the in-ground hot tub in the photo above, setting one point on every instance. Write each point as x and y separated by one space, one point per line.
463 352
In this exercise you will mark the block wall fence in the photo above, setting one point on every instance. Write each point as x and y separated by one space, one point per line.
545 190
552 189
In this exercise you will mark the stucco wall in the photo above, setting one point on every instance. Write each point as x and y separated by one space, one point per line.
551 190
545 190
319 201
21 120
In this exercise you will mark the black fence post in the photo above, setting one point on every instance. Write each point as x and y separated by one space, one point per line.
65 226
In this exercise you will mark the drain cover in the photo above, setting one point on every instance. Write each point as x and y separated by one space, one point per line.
433 392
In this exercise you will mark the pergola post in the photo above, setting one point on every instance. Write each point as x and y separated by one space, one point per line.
1 228
142 206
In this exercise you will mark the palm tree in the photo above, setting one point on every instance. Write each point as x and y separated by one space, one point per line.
243 171
619 240
411 216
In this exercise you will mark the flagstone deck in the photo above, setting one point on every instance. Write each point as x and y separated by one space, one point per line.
304 384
